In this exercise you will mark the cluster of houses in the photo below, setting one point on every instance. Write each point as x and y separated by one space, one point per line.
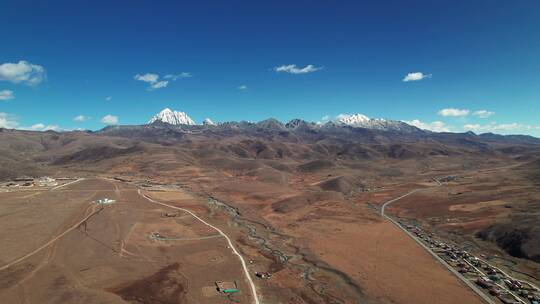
494 281
263 275
43 181
521 293
447 179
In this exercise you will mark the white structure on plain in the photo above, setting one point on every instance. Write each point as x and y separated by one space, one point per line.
45 181
105 201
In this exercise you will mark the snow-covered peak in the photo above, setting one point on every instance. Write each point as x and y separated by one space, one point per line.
172 117
362 121
208 122
355 120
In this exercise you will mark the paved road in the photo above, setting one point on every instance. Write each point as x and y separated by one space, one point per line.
242 261
480 293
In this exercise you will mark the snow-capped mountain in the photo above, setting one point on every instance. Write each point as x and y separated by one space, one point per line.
362 121
172 117
355 120
209 122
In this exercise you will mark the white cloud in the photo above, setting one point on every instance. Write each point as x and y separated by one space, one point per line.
416 76
80 118
42 127
324 119
494 127
22 72
452 112
38 126
10 122
52 127
148 77
436 126
242 87
293 69
7 121
483 113
6 95
178 76
159 84
110 119
108 98
154 81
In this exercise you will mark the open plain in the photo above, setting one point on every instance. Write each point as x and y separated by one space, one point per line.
111 255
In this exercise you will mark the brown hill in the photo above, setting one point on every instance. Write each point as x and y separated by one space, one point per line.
520 237
247 147
342 184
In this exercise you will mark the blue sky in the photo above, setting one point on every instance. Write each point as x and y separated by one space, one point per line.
63 59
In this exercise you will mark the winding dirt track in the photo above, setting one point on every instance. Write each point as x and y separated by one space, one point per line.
67 184
244 265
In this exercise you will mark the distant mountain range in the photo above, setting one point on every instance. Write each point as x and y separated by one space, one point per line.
342 127
348 139
177 118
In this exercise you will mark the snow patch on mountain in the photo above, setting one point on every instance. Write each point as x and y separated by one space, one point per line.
172 117
209 122
355 120
362 121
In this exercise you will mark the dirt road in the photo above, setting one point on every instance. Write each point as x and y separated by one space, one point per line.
244 265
